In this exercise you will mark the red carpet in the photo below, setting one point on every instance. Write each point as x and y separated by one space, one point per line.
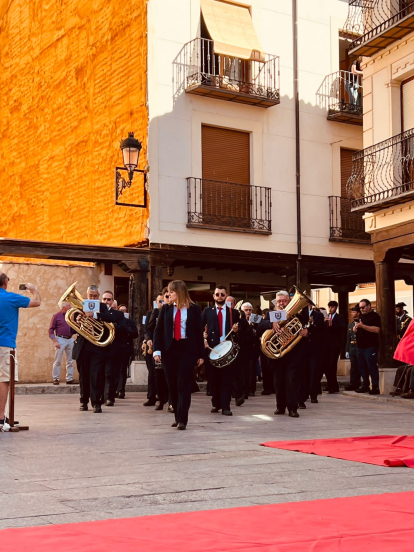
384 523
381 450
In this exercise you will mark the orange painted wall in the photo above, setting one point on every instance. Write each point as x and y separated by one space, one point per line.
73 83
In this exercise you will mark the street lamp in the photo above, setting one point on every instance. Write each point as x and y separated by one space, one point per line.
130 148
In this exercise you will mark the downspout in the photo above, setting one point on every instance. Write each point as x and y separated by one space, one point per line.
297 138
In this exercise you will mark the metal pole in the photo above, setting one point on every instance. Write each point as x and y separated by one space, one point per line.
297 136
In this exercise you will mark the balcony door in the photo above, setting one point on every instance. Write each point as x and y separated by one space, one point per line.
407 151
352 224
226 177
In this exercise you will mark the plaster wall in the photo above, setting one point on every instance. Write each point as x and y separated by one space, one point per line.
176 118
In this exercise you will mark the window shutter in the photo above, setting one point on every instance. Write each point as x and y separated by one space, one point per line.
351 221
226 177
408 104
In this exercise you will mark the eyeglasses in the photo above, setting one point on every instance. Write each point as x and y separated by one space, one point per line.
363 306
220 294
106 298
167 296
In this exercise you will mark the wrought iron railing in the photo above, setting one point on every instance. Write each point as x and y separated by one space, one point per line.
383 172
371 18
341 93
345 225
202 66
227 205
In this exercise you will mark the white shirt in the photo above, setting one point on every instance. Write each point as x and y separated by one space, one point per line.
183 325
223 312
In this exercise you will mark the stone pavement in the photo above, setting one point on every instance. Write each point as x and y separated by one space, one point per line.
77 466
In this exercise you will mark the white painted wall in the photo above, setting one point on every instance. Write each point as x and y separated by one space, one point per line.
175 128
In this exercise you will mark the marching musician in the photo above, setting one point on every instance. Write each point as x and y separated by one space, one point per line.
335 329
402 318
252 352
220 320
310 373
352 351
285 369
150 321
178 341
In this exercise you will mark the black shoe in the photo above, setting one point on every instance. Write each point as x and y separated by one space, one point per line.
362 390
333 392
265 393
252 394
214 410
227 413
279 411
149 403
208 394
181 426
83 407
239 401
117 395
170 408
374 391
97 408
302 406
160 406
120 395
109 403
16 423
397 392
245 397
350 388
314 401
70 382
174 424
56 382
408 395
293 414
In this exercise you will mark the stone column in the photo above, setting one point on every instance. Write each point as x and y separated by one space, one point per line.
155 282
384 271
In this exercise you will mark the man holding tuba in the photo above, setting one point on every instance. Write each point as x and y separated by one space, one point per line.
286 368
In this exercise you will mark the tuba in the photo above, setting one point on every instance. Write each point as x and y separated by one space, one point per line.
97 332
277 345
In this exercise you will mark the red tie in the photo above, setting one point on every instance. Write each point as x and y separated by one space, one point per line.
220 320
177 325
330 320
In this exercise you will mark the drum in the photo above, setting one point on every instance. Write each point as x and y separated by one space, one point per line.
224 354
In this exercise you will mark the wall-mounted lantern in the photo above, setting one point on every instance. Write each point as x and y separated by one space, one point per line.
130 148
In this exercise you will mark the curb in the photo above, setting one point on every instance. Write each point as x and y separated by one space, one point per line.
378 398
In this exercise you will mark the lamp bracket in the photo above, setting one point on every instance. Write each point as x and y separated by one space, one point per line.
122 184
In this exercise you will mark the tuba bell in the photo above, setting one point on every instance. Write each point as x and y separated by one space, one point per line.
277 345
97 332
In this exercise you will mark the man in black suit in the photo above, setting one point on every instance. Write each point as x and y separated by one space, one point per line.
220 319
90 361
150 322
127 355
285 369
114 351
310 371
252 347
335 335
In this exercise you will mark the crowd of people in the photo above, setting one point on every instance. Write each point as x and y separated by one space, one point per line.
179 339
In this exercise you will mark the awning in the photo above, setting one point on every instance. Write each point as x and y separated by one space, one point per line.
231 28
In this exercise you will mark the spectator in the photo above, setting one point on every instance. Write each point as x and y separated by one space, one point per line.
10 303
335 339
367 338
352 352
61 335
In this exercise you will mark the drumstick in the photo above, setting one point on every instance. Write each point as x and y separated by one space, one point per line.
208 346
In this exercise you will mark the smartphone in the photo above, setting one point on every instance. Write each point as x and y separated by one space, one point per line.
22 286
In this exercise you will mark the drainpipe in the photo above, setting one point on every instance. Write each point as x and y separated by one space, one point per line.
297 137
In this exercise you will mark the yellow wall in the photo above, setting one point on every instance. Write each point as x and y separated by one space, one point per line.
73 83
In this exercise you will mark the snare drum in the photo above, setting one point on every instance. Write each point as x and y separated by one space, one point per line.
224 354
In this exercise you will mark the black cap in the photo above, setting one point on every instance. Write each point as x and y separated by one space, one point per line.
356 308
400 305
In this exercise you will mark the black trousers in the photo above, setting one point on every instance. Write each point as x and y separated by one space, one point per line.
91 367
123 374
221 386
113 367
152 388
285 371
252 372
179 365
309 376
267 375
238 386
354 376
331 367
161 384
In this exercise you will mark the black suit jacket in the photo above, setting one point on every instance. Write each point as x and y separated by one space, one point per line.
150 324
336 333
315 331
210 320
164 331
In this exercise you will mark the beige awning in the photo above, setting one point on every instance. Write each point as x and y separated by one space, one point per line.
231 28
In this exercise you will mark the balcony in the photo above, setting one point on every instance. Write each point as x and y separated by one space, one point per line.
341 94
376 24
346 226
217 205
383 174
228 78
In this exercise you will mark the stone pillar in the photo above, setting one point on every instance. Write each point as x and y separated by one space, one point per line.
384 275
155 282
139 299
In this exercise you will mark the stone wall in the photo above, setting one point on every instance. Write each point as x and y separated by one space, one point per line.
73 83
34 348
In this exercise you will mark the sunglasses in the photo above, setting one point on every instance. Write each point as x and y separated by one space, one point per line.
167 296
106 298
220 294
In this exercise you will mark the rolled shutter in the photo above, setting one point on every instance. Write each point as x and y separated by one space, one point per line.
408 104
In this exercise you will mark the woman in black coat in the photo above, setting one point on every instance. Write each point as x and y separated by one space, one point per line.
178 340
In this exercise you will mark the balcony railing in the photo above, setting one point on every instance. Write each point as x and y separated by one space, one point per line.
228 206
227 78
341 94
344 225
376 24
383 174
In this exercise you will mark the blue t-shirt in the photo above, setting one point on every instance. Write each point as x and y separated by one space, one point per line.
10 303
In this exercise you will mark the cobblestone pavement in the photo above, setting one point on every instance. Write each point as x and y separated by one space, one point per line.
76 466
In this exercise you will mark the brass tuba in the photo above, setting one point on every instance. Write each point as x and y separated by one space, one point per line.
97 332
277 345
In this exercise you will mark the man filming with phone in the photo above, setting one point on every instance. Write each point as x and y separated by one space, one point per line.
10 303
